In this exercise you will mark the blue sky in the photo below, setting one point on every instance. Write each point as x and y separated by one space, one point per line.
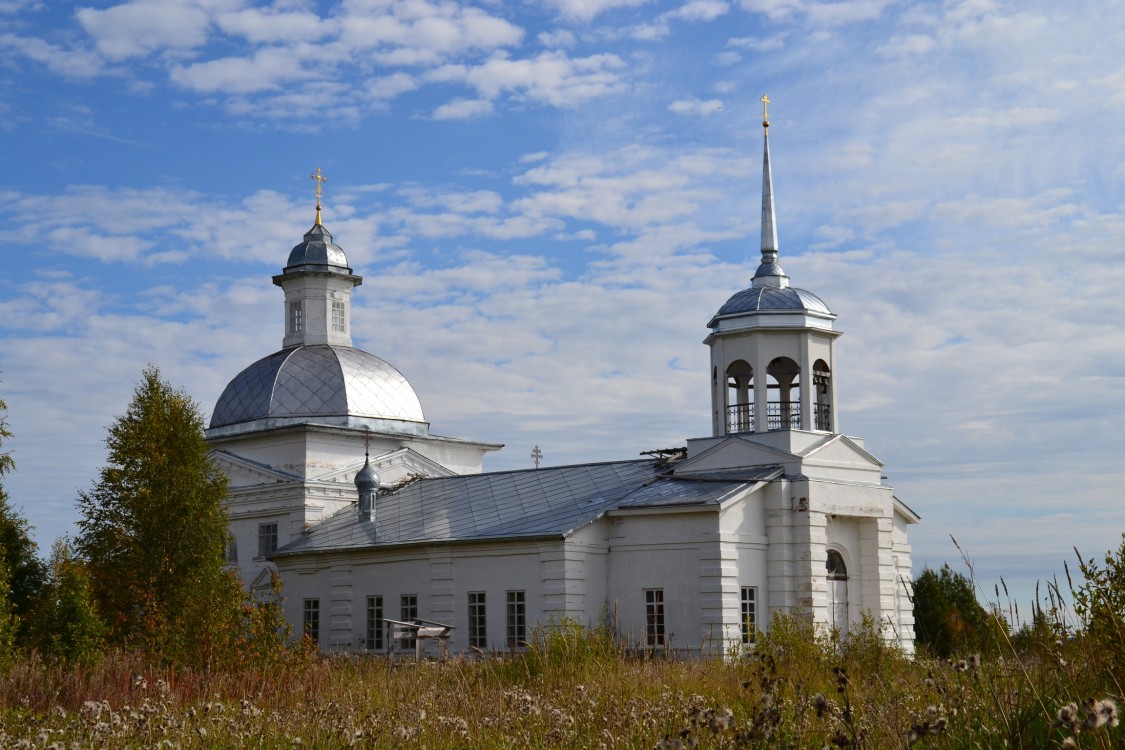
548 201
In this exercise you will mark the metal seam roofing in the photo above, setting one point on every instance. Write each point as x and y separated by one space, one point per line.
528 504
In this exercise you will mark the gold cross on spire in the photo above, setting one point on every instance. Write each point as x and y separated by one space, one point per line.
320 180
765 110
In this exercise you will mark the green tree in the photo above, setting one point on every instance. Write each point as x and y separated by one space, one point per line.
9 623
18 550
948 619
66 625
1100 604
153 531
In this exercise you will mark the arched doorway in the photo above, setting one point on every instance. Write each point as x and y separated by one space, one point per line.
837 591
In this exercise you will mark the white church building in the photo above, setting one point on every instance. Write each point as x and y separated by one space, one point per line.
337 484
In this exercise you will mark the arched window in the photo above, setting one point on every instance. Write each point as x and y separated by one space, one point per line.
837 572
822 407
783 395
740 397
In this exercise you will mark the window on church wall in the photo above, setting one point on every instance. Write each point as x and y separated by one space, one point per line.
740 397
374 635
478 633
783 395
231 552
267 539
338 317
516 604
654 617
296 317
408 612
748 623
311 620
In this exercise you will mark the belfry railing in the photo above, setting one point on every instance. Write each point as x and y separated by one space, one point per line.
783 415
822 417
740 418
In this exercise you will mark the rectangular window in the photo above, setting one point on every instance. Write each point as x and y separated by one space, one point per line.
749 622
267 539
338 317
478 635
312 619
232 549
654 617
517 619
296 317
374 623
408 613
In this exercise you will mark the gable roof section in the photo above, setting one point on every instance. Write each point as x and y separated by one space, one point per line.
514 505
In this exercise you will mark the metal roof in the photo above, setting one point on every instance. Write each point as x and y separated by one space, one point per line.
318 251
773 298
533 503
317 381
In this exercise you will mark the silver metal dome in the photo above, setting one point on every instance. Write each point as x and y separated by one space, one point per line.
318 249
322 384
773 299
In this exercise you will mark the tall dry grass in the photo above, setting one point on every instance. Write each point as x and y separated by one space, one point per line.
576 688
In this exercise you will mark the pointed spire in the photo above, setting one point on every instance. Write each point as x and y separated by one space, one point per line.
769 273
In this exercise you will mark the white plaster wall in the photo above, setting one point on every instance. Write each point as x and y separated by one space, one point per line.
661 551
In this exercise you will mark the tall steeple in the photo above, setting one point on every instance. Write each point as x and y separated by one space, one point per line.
769 273
771 345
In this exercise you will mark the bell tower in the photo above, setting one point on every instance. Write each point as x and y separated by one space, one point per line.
771 345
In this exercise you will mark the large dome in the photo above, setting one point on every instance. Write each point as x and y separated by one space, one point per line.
320 384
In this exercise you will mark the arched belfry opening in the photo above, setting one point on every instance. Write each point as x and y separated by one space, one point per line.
822 389
784 395
837 573
740 397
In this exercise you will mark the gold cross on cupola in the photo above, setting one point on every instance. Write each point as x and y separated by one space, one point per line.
320 180
765 110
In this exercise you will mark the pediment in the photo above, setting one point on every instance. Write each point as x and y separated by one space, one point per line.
736 452
841 451
243 472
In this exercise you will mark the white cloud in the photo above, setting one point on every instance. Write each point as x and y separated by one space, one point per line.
262 27
267 69
463 109
59 60
700 10
143 26
695 106
558 38
550 78
585 10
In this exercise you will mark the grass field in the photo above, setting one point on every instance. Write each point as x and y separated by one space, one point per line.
575 688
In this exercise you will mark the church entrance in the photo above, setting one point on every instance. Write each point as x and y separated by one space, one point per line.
837 591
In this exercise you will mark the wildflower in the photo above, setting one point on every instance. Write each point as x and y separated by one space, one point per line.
670 743
202 731
140 682
820 703
961 666
1069 744
722 722
974 662
1068 717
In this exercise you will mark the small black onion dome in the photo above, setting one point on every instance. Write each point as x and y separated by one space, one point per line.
318 249
366 480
